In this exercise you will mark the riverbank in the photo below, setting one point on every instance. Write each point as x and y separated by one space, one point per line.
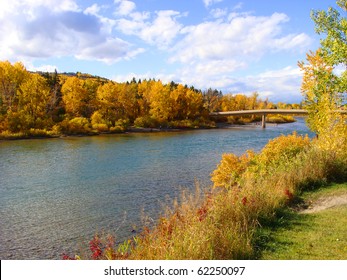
250 192
42 134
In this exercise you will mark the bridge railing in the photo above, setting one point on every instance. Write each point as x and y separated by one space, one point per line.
261 112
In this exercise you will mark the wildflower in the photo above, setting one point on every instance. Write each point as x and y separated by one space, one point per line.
289 194
244 200
67 257
202 213
95 247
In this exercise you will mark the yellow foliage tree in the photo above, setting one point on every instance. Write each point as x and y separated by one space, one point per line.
160 102
33 102
321 89
11 77
75 96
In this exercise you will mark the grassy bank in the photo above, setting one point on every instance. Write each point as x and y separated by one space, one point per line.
87 131
275 119
296 234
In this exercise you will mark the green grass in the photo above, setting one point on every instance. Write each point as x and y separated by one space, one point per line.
320 235
332 190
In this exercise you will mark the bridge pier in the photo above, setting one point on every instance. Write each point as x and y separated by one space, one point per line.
263 121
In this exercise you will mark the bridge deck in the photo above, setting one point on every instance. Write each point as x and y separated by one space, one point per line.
261 112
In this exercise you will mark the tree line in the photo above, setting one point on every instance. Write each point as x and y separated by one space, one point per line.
67 103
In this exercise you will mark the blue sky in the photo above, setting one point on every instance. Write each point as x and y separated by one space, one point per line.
234 46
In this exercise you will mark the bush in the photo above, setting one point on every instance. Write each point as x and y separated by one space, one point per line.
120 126
8 135
35 132
78 125
100 127
282 149
231 169
146 122
280 119
183 124
98 123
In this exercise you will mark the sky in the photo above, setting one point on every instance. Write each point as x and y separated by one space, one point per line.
233 46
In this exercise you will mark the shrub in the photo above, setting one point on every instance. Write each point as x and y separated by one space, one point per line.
183 124
281 150
146 121
35 132
120 125
78 125
280 119
98 123
231 169
100 127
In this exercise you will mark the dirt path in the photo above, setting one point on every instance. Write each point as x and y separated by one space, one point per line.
325 203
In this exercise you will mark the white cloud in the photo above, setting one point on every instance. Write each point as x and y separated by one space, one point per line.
292 42
211 2
238 6
218 13
277 85
244 35
93 10
159 30
163 29
31 29
42 68
125 7
110 51
211 52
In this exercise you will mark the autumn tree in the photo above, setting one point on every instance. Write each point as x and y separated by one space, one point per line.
75 97
195 106
331 24
324 91
160 102
108 104
11 77
128 98
33 103
144 97
212 100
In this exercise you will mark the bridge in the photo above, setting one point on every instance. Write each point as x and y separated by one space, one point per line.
264 112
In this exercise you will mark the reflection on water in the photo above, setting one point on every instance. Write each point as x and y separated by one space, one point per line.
56 193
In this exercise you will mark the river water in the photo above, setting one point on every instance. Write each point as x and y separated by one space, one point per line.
56 193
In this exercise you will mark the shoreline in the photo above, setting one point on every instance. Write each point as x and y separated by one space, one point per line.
132 130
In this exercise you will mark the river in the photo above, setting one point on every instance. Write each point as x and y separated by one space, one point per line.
56 193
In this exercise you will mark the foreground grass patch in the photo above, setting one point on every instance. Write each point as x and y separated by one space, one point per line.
320 235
